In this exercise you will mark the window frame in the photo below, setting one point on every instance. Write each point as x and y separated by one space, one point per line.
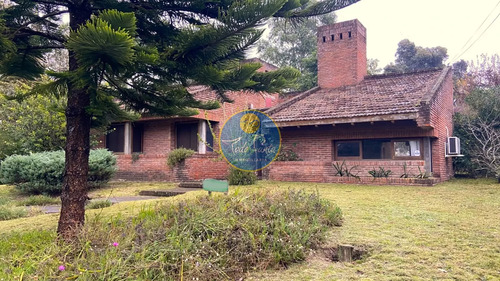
179 125
132 133
106 139
360 157
393 152
421 144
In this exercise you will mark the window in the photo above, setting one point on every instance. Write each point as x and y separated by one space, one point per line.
209 138
407 148
346 149
378 149
187 136
115 140
137 133
125 138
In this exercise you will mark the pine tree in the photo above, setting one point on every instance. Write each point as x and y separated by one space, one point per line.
143 53
294 44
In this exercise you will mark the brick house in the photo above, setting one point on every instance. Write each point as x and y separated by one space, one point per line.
397 122
142 146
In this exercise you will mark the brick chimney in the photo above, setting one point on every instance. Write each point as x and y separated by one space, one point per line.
341 54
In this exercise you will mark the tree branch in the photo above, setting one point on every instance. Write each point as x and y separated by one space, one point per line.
43 47
29 31
38 19
64 3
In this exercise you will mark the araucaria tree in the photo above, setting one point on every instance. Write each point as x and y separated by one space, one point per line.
294 44
142 53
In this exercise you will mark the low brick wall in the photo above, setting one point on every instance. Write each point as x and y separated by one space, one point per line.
323 171
153 167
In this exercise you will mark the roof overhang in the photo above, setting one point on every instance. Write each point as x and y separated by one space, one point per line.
349 120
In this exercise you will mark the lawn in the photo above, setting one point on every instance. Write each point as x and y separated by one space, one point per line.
13 202
449 232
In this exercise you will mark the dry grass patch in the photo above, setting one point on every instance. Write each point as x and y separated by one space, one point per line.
450 231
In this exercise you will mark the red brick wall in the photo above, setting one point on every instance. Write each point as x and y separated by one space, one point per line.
323 171
153 167
341 62
315 143
148 167
441 118
158 137
241 101
203 166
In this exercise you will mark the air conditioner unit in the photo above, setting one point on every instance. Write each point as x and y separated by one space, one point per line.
453 146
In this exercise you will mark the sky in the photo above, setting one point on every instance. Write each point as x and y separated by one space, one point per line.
427 23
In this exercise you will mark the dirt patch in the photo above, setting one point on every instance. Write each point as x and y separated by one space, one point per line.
345 253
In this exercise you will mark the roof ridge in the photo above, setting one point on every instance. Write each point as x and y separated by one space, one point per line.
388 75
428 96
280 106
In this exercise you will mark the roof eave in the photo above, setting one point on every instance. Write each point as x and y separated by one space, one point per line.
348 120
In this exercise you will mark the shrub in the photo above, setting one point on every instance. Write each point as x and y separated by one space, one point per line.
206 238
342 170
98 204
39 200
42 173
380 173
239 177
178 155
10 213
287 154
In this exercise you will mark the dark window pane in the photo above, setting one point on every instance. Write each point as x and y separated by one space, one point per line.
348 149
137 132
377 149
187 136
209 138
115 140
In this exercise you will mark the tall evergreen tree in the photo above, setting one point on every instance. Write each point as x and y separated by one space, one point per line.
141 52
295 45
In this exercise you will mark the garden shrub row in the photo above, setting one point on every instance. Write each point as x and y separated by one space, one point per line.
42 173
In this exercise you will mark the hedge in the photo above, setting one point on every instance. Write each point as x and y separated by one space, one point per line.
42 173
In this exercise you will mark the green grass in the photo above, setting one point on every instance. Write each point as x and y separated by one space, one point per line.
98 204
11 212
450 231
39 200
12 200
206 238
447 232
122 188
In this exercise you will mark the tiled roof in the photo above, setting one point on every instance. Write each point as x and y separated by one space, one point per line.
374 96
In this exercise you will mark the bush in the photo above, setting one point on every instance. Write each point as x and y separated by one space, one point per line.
178 155
287 154
380 173
39 200
239 177
206 238
98 204
10 213
42 173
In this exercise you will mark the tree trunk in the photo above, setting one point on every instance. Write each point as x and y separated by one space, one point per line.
74 189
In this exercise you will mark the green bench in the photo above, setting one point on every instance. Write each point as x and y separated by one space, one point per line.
212 185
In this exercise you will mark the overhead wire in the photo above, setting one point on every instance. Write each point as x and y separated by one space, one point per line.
456 57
